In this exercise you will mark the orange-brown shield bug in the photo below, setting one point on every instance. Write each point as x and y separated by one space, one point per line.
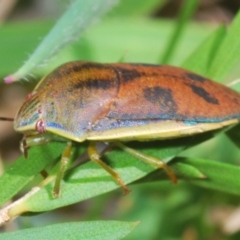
119 102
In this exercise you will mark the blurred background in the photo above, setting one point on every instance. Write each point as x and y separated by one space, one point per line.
134 31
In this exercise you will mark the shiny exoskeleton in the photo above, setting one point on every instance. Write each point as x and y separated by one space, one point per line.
113 102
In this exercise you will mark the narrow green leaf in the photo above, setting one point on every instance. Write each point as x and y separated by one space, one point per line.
90 180
187 11
219 176
234 135
200 60
187 171
228 54
79 16
24 170
95 230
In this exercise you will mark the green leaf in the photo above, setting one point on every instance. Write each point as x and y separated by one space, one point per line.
228 54
95 230
219 176
90 180
187 171
138 41
79 16
200 60
24 170
187 11
234 135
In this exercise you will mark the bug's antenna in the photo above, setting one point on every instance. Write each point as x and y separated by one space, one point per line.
6 119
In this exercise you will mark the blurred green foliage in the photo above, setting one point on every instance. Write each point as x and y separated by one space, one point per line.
165 211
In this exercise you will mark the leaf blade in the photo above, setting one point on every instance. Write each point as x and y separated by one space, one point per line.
219 176
24 170
228 54
90 180
96 230
199 61
79 16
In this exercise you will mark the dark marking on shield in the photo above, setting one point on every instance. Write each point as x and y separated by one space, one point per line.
195 77
201 92
77 67
128 75
95 65
95 84
161 97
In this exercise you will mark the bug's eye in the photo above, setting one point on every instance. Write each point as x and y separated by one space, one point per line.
40 126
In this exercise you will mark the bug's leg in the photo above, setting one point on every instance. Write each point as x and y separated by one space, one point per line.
63 166
150 160
24 147
33 140
94 156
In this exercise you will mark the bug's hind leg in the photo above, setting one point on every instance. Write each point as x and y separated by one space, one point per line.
95 157
62 169
155 162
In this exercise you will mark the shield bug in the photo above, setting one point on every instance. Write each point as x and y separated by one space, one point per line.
122 102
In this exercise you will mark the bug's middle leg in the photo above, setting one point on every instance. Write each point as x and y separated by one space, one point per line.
155 162
62 169
95 157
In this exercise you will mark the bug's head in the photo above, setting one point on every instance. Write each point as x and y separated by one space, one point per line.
29 121
29 118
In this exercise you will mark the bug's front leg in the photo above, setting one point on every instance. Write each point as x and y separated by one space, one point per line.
39 139
155 162
95 157
33 140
